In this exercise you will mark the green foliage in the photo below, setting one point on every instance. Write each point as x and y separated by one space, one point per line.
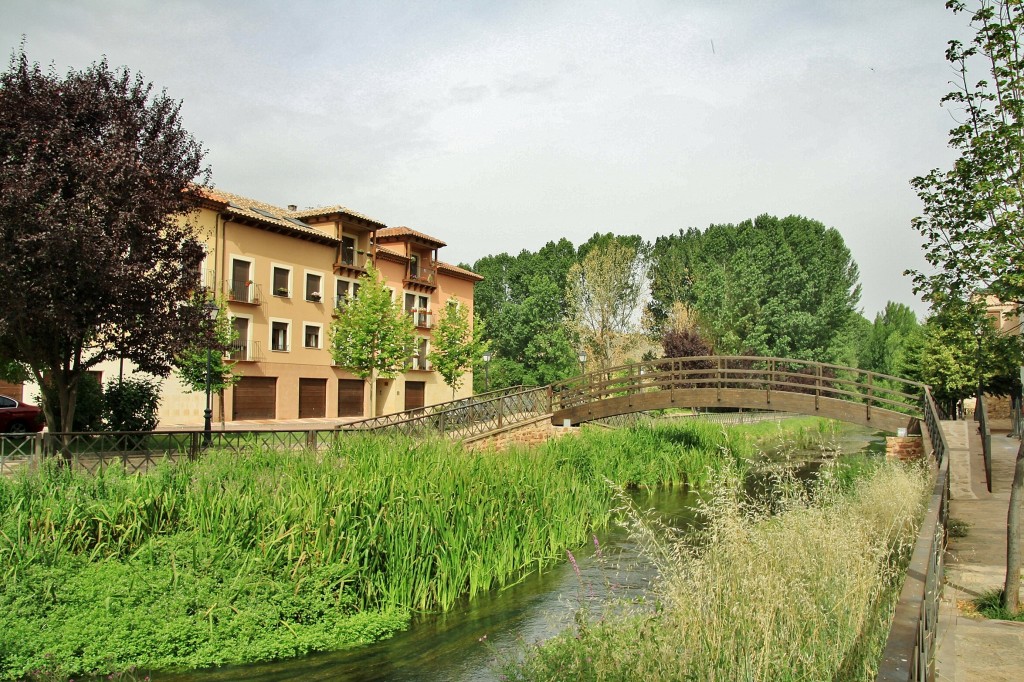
457 344
13 372
785 287
272 554
522 301
131 404
191 363
371 336
973 224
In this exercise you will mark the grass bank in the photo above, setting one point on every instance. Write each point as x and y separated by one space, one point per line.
803 591
270 555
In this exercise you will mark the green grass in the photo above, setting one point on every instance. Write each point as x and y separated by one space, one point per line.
801 591
268 554
990 605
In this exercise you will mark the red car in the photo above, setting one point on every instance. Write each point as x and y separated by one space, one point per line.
16 417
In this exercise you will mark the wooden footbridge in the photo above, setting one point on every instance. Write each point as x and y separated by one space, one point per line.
878 401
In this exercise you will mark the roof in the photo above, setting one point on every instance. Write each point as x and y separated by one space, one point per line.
390 255
394 234
270 216
319 211
461 273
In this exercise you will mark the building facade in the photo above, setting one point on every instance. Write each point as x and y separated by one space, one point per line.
282 273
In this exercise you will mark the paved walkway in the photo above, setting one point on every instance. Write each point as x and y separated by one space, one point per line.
971 648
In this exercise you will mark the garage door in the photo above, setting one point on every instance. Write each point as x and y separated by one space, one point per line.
350 397
255 398
414 393
312 398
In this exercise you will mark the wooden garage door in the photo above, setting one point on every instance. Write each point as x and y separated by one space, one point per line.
350 397
414 394
255 398
12 390
312 398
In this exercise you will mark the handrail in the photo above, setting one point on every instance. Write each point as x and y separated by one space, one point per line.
909 654
386 420
743 372
467 418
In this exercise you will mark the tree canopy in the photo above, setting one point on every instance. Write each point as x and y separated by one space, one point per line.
99 259
457 343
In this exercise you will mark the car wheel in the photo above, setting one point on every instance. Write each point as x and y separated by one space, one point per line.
17 427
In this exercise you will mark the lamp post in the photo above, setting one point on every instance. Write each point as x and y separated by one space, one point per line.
211 309
977 403
582 357
487 370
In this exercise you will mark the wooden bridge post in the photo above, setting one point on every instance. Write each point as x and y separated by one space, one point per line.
817 386
718 377
771 379
870 395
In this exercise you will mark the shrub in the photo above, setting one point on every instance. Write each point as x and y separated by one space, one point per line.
131 404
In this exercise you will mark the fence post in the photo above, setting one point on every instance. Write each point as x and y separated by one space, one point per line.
817 386
501 411
193 445
871 394
311 443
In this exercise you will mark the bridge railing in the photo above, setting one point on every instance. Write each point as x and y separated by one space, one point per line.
743 372
909 654
465 418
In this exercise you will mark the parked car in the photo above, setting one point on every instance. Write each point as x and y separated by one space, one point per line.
18 417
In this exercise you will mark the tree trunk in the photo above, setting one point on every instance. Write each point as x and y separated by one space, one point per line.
1011 589
373 393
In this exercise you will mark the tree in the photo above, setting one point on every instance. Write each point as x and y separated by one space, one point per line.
604 292
786 287
99 258
457 344
973 221
191 363
371 336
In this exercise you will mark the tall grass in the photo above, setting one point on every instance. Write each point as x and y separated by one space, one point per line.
276 553
802 594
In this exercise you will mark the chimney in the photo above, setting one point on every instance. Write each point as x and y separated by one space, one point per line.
292 207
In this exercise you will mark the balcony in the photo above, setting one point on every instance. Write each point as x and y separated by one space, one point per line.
423 319
245 352
244 292
352 262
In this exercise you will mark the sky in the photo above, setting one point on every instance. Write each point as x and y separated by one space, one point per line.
499 126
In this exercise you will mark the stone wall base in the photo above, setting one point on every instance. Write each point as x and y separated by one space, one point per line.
528 435
904 447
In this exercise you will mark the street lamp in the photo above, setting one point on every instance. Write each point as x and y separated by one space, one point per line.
211 310
487 370
582 357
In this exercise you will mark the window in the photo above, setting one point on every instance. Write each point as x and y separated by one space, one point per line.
312 335
419 360
414 266
240 288
314 288
279 335
344 291
282 281
348 250
239 349
419 308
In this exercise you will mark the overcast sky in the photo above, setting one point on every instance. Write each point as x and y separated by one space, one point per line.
500 126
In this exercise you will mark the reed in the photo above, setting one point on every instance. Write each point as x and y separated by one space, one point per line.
276 553
802 594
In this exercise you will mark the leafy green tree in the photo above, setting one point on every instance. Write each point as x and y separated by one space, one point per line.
786 287
457 344
190 365
98 248
973 221
371 336
605 293
889 342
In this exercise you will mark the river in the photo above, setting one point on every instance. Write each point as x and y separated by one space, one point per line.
464 643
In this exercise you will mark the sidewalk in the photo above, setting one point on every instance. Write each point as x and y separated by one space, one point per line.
969 647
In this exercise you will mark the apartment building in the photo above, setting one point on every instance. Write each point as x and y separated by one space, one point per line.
283 272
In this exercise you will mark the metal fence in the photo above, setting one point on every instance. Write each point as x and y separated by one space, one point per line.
909 654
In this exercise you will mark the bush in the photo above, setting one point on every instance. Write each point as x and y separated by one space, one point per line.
88 407
131 404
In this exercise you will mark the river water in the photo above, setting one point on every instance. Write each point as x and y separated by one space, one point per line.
464 643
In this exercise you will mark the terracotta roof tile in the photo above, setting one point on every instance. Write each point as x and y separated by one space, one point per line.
459 272
268 214
328 210
396 234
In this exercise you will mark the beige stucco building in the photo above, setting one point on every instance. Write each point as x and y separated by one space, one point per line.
282 272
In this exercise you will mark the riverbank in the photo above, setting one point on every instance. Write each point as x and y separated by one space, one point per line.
273 555
799 590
